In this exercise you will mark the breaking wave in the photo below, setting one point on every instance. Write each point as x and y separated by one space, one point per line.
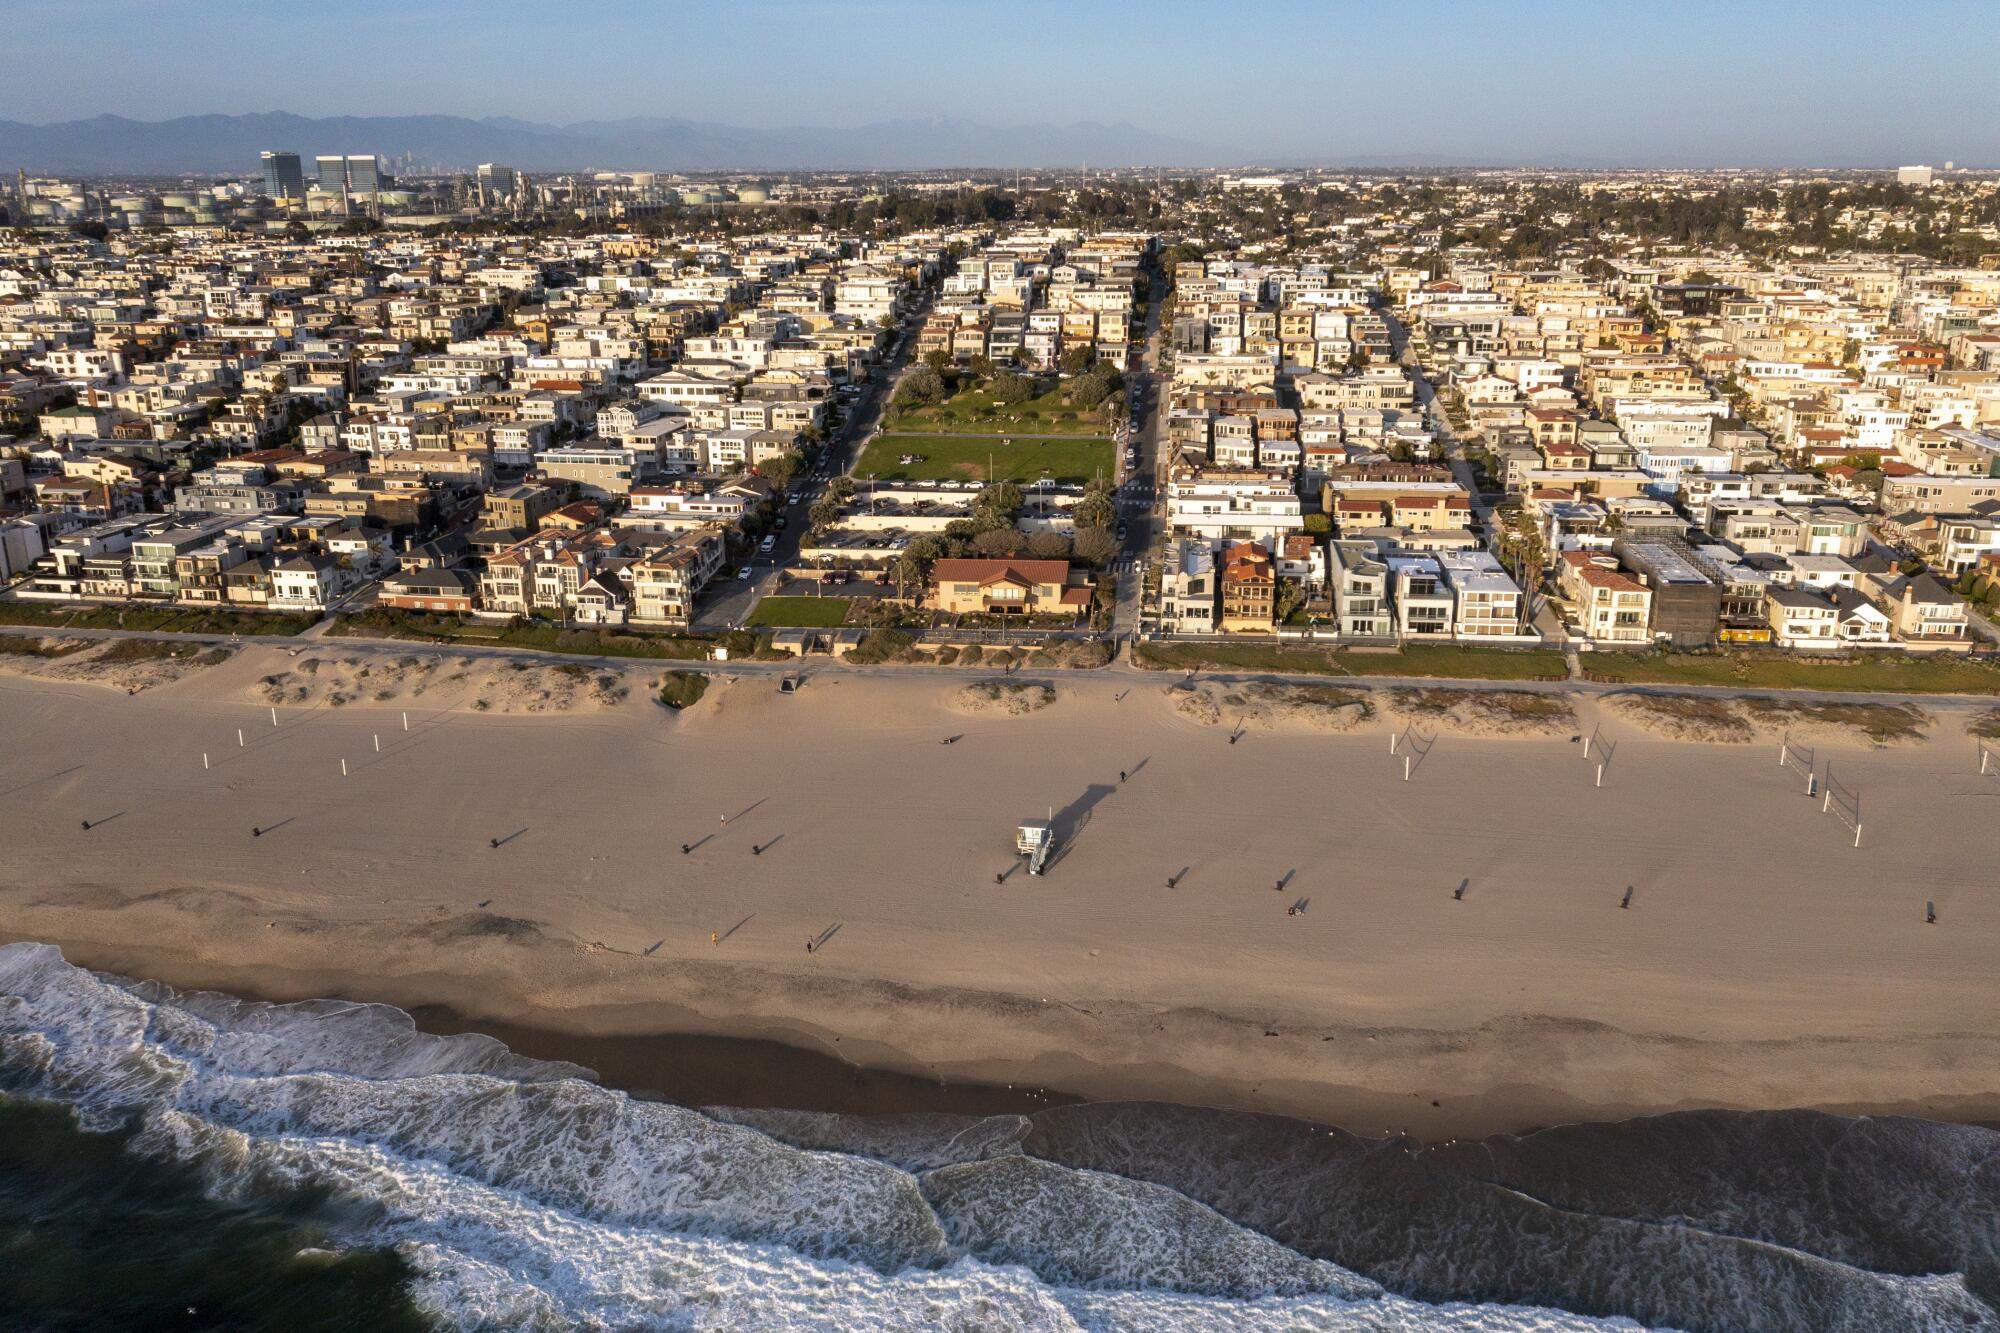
522 1194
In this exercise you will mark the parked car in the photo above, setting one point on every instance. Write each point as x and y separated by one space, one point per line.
769 544
743 573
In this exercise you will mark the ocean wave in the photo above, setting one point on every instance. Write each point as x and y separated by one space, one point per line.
918 1141
525 1196
1410 1219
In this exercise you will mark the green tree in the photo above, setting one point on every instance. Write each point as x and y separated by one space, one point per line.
1077 358
920 388
1049 546
1094 511
1012 389
1095 546
1002 498
913 565
1290 595
1319 525
779 471
997 542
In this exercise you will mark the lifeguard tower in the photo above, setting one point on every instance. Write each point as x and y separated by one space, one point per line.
1035 839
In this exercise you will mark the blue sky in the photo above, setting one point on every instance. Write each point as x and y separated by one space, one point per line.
1751 82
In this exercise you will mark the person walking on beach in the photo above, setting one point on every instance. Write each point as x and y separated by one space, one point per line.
714 938
684 849
1121 777
809 946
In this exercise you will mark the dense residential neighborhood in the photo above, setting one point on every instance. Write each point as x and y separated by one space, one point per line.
1405 415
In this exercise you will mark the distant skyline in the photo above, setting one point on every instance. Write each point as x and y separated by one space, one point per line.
1561 82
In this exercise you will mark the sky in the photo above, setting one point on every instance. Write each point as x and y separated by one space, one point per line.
1754 82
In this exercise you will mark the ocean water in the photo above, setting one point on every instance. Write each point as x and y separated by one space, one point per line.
341 1170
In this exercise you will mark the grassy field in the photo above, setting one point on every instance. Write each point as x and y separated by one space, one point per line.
800 612
381 623
1885 673
1440 661
968 457
163 619
973 412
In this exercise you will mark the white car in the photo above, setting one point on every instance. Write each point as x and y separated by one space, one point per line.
743 573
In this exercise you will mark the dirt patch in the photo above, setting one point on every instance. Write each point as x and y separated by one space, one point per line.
1009 698
1683 717
481 926
1483 712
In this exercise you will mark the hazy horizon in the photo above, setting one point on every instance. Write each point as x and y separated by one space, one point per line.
1835 84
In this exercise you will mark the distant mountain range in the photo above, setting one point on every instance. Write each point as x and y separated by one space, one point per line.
115 145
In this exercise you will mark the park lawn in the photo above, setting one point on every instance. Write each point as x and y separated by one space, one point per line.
968 457
159 619
1429 661
973 412
800 612
1886 673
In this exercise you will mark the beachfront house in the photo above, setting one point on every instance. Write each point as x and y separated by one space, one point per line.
1006 587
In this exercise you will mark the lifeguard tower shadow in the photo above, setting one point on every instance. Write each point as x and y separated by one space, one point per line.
1044 842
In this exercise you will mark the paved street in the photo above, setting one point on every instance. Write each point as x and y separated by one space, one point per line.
729 600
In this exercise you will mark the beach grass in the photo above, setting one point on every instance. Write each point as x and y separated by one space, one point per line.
1885 673
975 457
383 623
1445 661
682 689
1881 723
153 650
156 619
800 612
21 645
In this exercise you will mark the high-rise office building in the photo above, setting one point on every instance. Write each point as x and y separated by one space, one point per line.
356 173
284 178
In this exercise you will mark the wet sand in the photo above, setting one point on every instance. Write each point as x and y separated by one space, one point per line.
1763 961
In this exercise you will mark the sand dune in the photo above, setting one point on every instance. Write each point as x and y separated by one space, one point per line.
313 679
1460 939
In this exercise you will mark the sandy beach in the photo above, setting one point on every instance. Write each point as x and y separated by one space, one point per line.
1763 960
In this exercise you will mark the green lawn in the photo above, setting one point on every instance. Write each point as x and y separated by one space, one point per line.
800 612
1887 673
164 619
973 412
1442 661
967 457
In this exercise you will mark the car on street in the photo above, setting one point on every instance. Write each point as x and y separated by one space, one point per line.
743 573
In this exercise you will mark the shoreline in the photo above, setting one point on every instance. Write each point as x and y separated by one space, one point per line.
1462 966
735 1060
